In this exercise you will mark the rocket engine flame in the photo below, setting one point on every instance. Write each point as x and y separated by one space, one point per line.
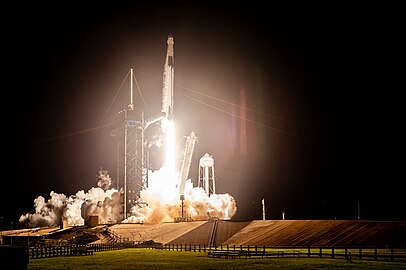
170 154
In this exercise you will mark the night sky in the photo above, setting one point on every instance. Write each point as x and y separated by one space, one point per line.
321 84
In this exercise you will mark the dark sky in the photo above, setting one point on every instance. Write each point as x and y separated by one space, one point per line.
323 128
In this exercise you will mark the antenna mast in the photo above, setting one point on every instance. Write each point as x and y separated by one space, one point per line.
131 105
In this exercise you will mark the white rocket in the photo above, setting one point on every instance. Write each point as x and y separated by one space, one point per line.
168 81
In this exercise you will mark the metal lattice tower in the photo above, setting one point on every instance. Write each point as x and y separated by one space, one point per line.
187 160
131 169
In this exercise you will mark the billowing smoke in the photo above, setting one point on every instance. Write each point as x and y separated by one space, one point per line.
104 179
156 140
161 202
75 209
47 213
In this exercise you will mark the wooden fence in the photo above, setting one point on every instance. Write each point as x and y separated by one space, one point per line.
226 251
74 250
347 253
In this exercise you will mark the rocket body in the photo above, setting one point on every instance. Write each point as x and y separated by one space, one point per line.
168 81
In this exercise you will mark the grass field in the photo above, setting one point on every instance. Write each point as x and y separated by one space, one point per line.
161 259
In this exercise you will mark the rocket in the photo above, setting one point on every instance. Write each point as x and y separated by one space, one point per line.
168 81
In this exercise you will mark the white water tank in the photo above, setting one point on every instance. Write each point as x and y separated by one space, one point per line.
206 174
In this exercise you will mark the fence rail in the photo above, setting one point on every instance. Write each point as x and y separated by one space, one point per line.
232 251
347 253
74 250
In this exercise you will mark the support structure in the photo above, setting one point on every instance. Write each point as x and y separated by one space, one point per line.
131 169
132 173
184 171
187 160
206 174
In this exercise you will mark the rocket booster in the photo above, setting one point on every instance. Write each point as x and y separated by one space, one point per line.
168 81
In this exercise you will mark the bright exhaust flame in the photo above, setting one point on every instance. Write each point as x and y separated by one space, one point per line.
170 154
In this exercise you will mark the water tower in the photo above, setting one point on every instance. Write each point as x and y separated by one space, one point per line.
206 174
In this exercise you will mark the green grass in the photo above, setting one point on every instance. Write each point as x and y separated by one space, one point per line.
161 259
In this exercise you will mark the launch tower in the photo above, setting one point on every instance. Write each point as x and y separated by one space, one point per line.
132 172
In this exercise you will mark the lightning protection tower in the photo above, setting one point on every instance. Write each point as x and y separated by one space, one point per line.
206 174
131 172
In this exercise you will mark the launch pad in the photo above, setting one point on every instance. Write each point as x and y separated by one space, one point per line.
132 161
139 194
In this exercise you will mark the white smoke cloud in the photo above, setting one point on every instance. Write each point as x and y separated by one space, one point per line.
104 179
161 202
156 140
75 209
46 212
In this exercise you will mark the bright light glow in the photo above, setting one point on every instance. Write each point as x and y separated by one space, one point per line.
170 154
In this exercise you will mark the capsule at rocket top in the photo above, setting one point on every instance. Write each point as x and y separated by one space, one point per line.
168 81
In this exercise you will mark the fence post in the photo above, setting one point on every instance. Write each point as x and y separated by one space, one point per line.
392 253
376 254
332 253
321 252
360 253
308 252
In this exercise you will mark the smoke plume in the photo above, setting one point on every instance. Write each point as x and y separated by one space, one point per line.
76 209
160 202
104 179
